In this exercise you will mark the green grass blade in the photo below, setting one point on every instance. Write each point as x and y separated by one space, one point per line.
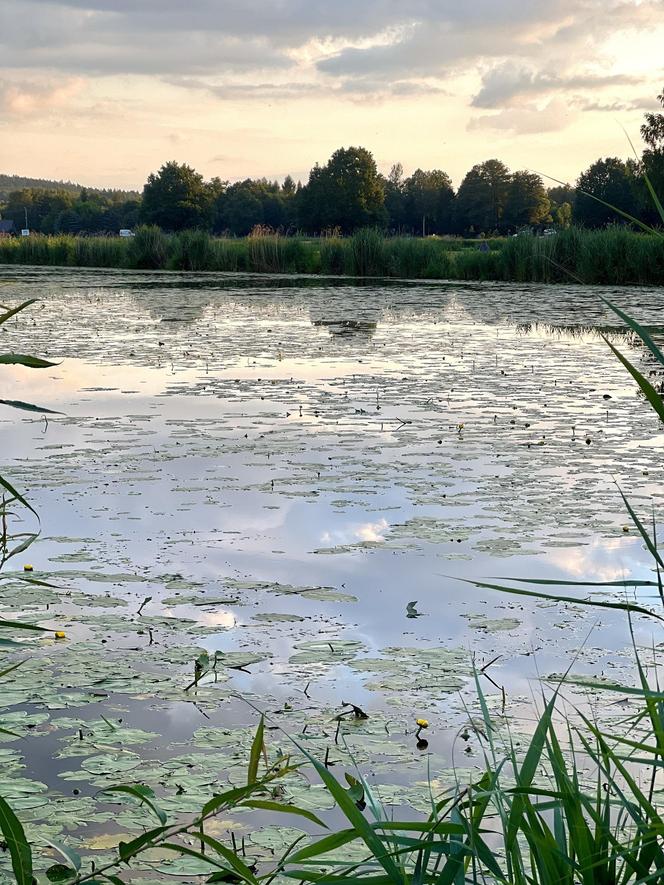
14 310
17 845
22 625
256 750
22 359
284 809
643 334
145 796
621 606
526 774
642 531
27 407
327 843
17 495
355 817
647 389
230 857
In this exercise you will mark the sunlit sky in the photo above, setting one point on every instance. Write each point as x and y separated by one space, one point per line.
105 91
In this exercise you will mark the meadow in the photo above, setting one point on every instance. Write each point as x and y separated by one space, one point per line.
613 256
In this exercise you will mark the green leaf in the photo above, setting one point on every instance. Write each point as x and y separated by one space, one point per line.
21 625
648 390
17 495
27 407
72 857
128 849
143 793
60 873
526 774
355 817
17 844
256 750
554 597
241 869
14 310
22 359
643 334
642 531
284 809
327 843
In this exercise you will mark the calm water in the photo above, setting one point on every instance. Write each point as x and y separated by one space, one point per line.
299 474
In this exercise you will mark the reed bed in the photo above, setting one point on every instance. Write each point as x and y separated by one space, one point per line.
615 256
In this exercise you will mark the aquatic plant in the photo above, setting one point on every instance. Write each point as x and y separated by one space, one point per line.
616 255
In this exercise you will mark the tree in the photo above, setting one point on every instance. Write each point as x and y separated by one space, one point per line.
527 201
652 161
176 198
252 202
612 181
429 202
393 186
482 196
563 214
347 193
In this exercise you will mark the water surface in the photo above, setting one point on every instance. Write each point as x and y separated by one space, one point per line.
301 475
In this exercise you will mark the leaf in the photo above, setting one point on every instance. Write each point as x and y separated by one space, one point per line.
128 849
60 873
241 869
256 750
327 843
21 625
72 857
13 667
27 407
14 310
226 800
554 597
12 491
22 359
643 334
144 794
552 583
355 817
648 390
526 774
285 809
17 844
642 531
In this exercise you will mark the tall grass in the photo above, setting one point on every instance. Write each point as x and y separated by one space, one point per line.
615 256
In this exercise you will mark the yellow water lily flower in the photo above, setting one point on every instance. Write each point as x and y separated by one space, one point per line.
60 634
422 723
27 568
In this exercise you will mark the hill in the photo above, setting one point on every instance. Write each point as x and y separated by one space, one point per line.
9 183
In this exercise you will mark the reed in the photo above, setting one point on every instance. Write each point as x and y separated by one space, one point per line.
614 256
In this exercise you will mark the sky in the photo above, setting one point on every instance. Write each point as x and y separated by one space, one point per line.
105 91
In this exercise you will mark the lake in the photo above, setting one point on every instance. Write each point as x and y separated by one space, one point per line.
303 477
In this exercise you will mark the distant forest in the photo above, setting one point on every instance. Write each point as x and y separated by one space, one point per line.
349 193
9 183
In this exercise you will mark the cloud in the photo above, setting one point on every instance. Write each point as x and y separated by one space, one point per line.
24 99
529 119
506 82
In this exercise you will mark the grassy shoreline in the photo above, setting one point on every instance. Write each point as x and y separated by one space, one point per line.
615 256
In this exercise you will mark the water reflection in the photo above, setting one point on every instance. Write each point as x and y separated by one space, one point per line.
321 462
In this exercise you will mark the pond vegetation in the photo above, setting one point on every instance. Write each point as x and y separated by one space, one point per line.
614 256
250 544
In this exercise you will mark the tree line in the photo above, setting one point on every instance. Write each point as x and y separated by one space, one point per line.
348 193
